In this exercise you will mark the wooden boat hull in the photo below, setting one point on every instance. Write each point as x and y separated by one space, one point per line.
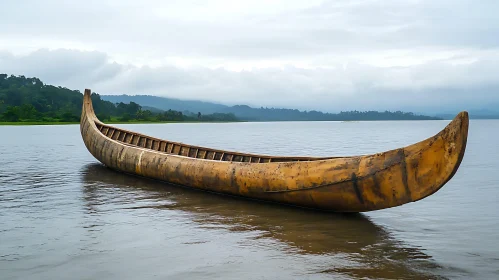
343 184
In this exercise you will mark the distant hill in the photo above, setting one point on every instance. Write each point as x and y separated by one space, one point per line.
26 99
152 109
248 113
29 99
474 114
165 103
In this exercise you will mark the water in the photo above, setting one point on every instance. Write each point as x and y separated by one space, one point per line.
65 216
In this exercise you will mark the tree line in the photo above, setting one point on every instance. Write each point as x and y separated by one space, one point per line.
247 113
25 99
281 114
29 99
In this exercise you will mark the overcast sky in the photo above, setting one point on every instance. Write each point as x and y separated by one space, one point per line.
415 55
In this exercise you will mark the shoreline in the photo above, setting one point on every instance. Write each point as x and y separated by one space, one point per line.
167 122
110 122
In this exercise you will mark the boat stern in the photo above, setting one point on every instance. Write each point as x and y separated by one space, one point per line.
432 163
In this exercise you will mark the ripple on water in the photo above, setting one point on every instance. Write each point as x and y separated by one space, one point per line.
63 214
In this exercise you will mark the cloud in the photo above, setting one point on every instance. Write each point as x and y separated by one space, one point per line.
433 85
231 30
415 55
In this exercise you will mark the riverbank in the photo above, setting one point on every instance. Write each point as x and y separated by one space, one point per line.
109 122
37 123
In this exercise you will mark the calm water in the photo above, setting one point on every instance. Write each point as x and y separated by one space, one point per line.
65 216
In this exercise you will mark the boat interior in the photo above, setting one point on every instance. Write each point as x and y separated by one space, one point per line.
175 148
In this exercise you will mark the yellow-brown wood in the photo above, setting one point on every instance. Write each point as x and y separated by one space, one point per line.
344 184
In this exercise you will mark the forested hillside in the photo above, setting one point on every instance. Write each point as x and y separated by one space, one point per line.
248 113
166 103
25 99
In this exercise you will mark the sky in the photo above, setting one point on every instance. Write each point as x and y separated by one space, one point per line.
412 55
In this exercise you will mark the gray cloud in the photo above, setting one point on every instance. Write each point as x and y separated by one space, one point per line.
327 29
430 86
331 55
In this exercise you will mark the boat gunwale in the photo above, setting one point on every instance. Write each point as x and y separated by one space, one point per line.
290 158
395 163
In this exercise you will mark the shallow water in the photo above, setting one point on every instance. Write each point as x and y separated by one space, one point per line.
65 216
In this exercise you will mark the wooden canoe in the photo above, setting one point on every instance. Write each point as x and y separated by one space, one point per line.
342 184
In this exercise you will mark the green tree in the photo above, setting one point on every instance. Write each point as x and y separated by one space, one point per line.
13 114
27 112
144 115
104 116
69 117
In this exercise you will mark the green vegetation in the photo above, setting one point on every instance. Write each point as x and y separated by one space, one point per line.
278 114
36 123
244 112
29 101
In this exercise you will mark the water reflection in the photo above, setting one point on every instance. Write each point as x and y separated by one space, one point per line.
361 248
